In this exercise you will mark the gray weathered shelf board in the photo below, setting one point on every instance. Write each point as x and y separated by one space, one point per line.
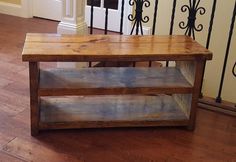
101 111
91 81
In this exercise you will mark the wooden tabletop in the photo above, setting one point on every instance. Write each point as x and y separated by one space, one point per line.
56 47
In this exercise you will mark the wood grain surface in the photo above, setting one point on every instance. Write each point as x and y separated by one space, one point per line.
34 98
99 81
55 47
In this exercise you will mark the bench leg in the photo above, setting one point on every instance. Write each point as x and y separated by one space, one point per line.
199 70
34 99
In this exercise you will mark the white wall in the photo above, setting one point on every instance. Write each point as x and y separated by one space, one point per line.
21 8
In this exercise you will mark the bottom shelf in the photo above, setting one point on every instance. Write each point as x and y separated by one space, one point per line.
110 111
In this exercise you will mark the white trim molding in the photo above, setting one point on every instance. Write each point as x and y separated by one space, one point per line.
23 10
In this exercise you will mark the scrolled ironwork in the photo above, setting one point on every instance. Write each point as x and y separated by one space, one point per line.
138 17
193 9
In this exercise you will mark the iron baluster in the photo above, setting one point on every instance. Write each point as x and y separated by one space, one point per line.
106 21
234 69
155 18
172 17
137 29
193 8
218 99
211 24
209 36
138 17
122 17
91 17
91 23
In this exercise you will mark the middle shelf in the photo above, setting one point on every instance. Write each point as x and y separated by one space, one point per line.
112 81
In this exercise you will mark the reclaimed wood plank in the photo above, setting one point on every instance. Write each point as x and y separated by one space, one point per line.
184 101
65 38
187 68
34 98
113 48
110 111
99 81
199 72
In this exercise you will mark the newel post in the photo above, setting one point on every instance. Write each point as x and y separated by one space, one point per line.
73 18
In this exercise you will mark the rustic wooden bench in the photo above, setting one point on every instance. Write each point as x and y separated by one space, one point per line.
113 97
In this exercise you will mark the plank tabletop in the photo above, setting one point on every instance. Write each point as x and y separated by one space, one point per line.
56 47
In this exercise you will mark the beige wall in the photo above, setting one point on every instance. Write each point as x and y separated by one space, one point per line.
11 1
219 38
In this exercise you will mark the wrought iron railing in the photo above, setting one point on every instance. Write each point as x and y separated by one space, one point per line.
219 99
194 9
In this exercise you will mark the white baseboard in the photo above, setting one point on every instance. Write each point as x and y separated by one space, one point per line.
14 9
70 28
